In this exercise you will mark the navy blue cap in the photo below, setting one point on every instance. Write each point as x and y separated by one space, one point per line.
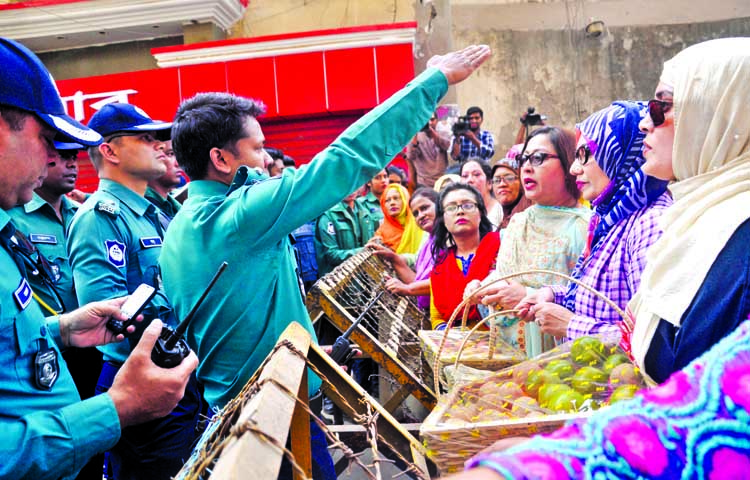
27 85
122 117
68 146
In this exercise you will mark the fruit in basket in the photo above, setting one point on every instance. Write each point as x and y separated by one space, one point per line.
614 360
566 401
623 392
525 407
563 369
624 374
462 412
491 415
587 351
549 391
588 380
537 379
522 371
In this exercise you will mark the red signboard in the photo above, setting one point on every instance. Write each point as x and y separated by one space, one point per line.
301 90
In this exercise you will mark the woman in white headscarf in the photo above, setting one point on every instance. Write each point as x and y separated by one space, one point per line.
694 290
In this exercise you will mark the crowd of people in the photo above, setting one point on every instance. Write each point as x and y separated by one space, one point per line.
650 211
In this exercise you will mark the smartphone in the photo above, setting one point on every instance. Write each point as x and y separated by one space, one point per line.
132 307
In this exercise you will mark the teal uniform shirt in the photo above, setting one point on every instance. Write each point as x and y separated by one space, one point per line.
169 206
371 204
39 222
258 295
340 233
45 433
113 247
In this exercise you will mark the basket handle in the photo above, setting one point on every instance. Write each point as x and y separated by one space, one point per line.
466 303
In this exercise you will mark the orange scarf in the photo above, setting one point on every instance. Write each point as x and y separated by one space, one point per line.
400 233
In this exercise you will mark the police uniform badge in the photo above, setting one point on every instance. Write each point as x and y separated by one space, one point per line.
46 366
108 207
115 252
331 229
23 294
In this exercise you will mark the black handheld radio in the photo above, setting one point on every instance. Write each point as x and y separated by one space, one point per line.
342 350
170 349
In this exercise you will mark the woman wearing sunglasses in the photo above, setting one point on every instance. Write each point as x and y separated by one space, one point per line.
628 204
549 235
506 185
695 424
696 286
464 248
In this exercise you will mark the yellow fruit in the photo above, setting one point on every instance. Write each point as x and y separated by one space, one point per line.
613 361
548 391
566 401
589 380
623 392
561 368
587 351
624 374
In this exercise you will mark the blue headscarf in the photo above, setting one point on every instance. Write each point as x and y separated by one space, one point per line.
616 143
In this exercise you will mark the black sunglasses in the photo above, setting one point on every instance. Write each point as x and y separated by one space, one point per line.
535 159
583 154
657 109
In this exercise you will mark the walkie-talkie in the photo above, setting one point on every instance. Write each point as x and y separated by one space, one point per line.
170 349
342 350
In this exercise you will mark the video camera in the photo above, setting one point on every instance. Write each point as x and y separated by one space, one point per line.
461 126
532 119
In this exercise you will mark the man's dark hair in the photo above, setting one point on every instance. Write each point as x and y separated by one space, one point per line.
442 238
473 110
275 153
289 161
206 121
14 117
392 169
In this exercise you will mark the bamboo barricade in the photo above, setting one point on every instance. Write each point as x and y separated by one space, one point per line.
250 434
389 331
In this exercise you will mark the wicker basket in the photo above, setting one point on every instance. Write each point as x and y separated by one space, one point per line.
471 347
449 446
451 441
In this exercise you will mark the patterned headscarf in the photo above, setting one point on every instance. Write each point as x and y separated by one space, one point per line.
616 143
614 139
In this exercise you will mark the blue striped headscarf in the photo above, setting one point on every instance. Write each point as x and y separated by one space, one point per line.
616 143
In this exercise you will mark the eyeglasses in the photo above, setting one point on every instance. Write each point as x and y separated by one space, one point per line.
535 159
657 109
467 207
583 154
507 179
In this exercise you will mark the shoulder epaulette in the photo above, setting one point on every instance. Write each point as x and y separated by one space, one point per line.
110 207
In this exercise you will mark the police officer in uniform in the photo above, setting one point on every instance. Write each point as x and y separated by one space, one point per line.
371 201
44 222
341 232
114 246
48 432
158 189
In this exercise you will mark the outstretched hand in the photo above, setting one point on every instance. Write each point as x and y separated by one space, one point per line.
457 66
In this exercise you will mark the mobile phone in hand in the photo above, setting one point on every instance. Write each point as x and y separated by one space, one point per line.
132 307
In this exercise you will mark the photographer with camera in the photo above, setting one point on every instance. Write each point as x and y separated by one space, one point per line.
469 140
427 153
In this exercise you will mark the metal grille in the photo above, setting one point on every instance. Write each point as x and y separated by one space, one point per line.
389 329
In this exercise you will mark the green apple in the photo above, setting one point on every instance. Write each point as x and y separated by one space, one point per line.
589 380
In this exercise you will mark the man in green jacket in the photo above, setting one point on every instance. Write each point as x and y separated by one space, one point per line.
341 232
237 214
